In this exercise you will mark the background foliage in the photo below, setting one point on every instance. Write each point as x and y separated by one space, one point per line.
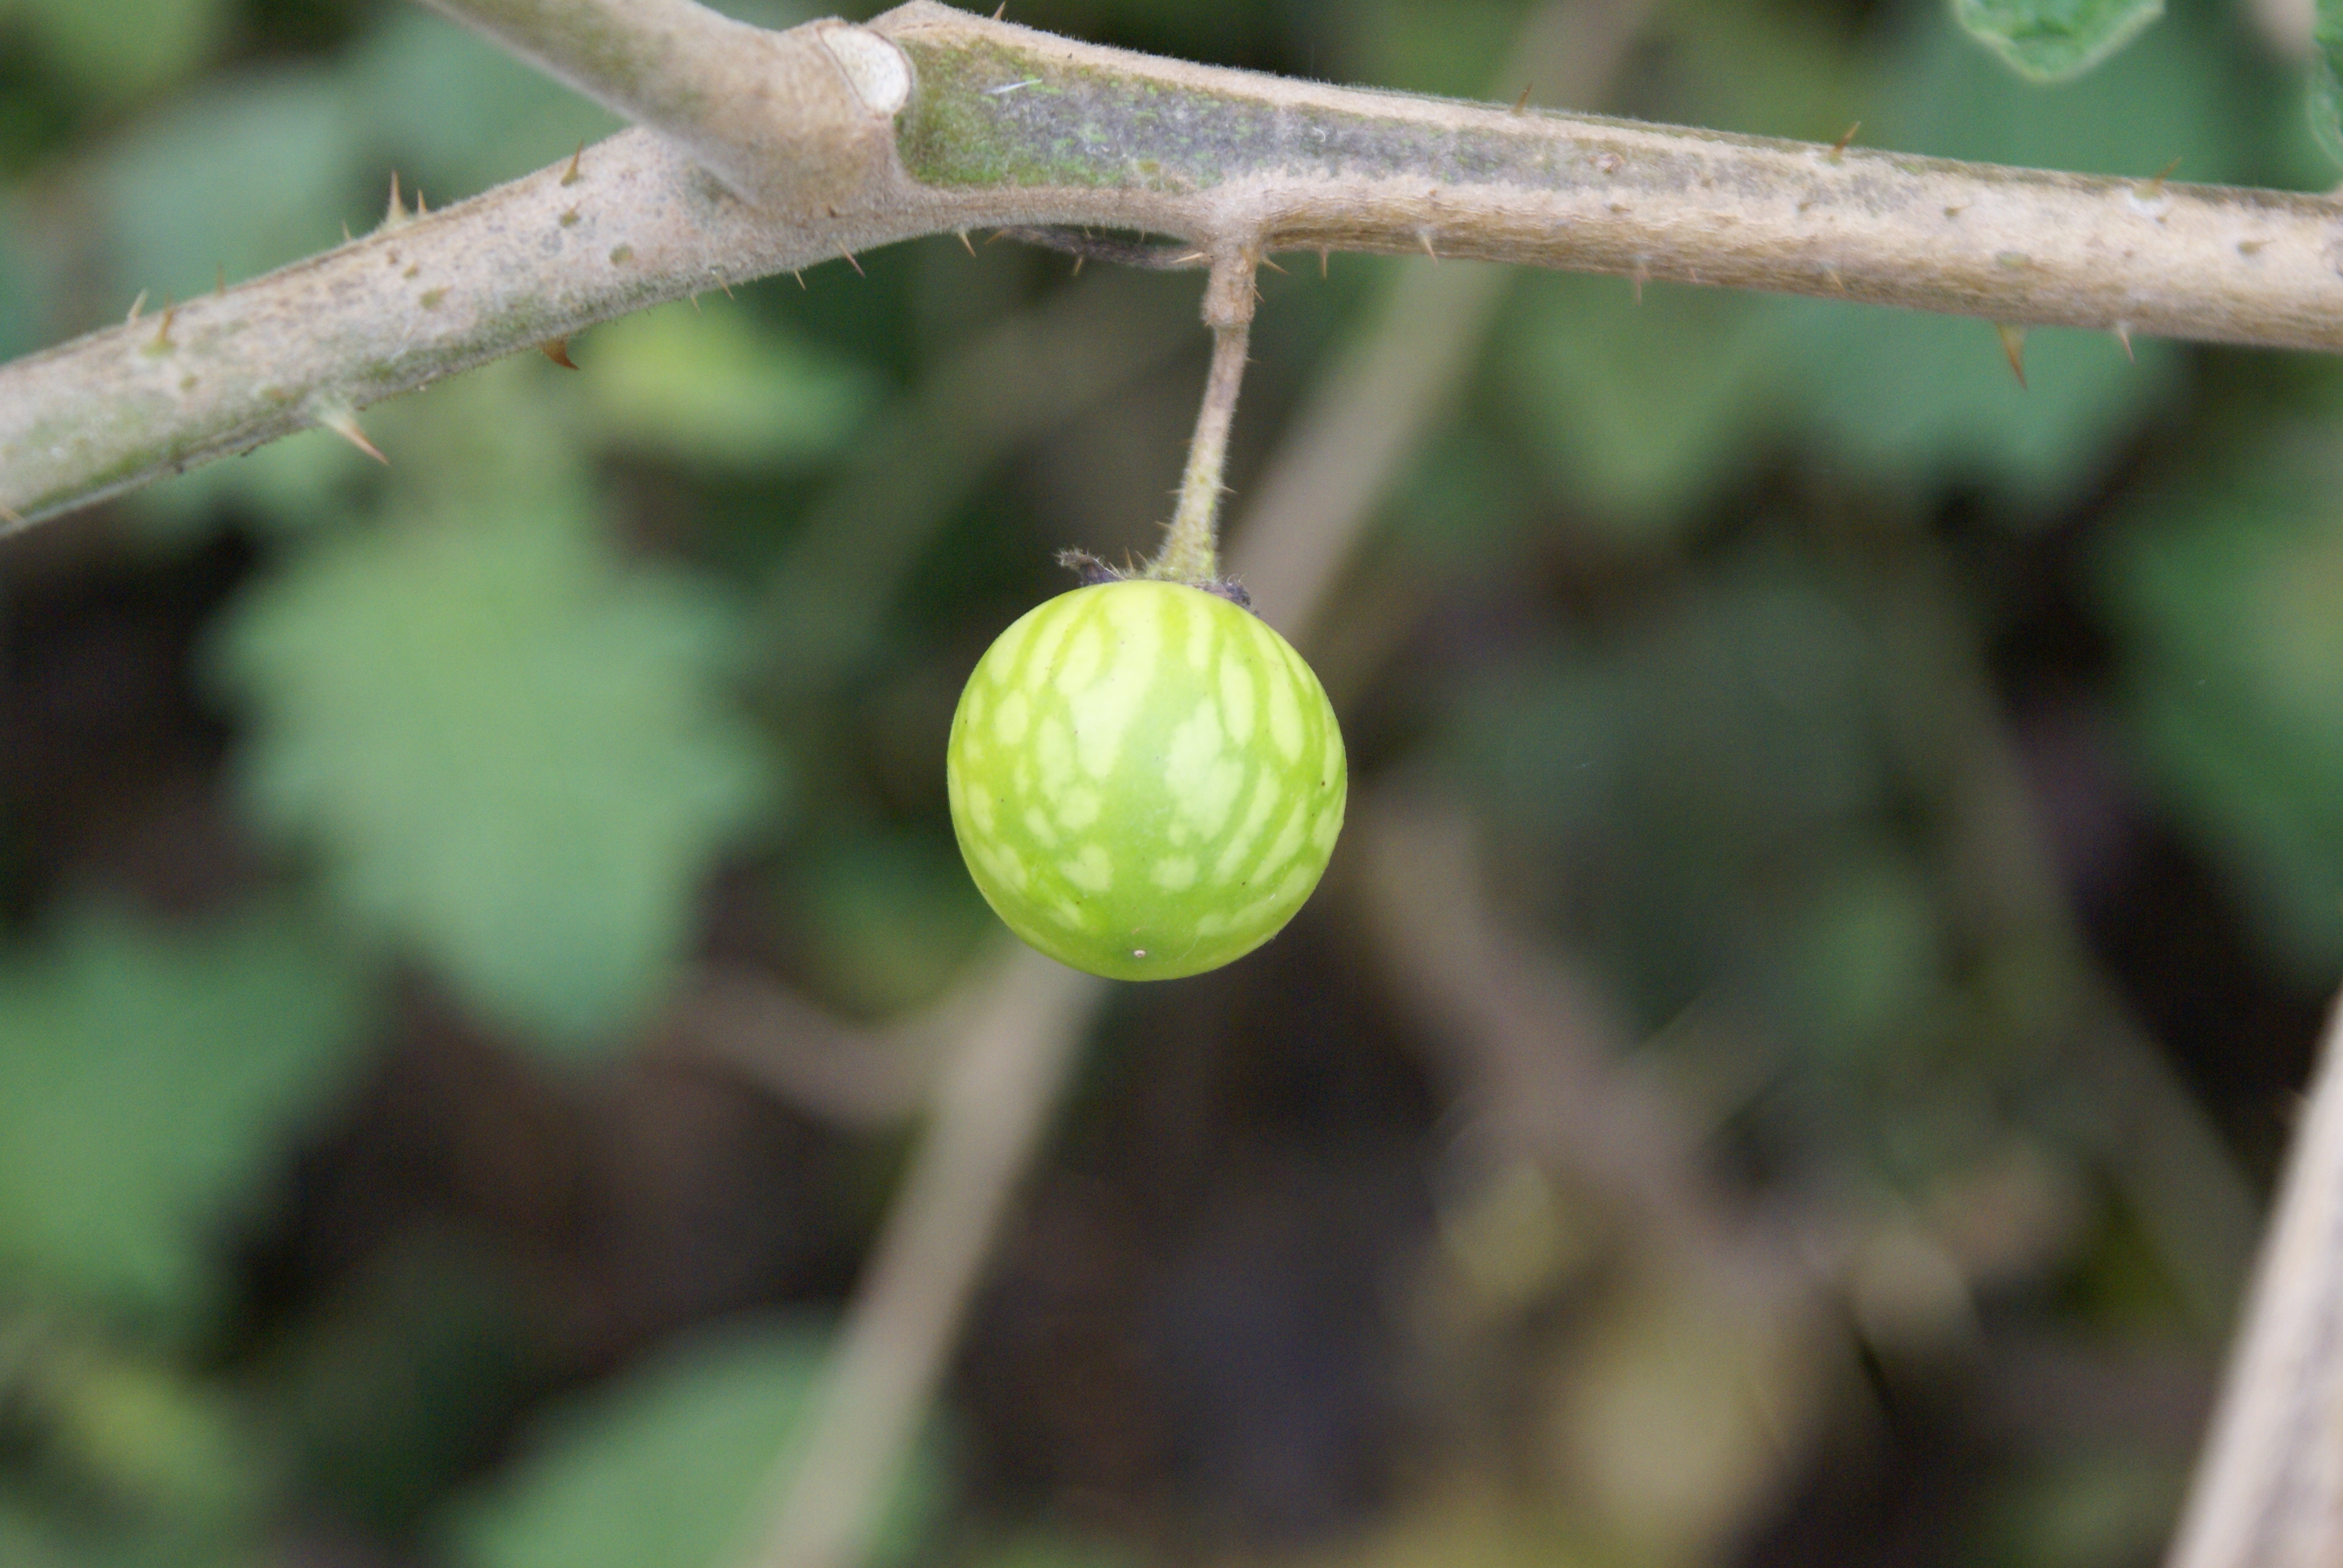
1867 739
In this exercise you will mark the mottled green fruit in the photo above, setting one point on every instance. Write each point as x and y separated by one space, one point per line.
1145 779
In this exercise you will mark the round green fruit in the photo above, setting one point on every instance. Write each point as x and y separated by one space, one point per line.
1145 779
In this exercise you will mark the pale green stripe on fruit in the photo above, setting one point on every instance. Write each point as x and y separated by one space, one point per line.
1053 753
1077 663
1236 698
1281 849
1174 875
1009 724
1203 635
1003 657
1049 627
1284 700
1106 688
1091 870
1263 802
1078 808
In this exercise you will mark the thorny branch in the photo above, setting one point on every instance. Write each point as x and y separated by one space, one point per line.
828 138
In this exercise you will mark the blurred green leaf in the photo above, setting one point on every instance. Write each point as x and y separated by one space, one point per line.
1683 766
2098 1508
1447 47
706 382
456 114
2052 40
19 328
1915 402
2327 91
401 1380
1637 412
116 49
1866 950
1767 67
286 485
669 1466
230 183
149 1083
891 919
34 1537
2183 92
160 1448
511 749
2229 591
29 1539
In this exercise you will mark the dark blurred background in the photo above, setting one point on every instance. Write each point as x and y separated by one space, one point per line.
1847 863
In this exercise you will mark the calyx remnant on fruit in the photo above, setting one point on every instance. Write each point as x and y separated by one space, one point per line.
1146 780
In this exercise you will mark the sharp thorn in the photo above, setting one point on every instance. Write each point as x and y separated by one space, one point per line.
967 244
1846 138
2123 336
163 333
1001 10
346 231
557 350
569 175
799 274
1270 263
1079 259
2013 344
137 306
1425 235
344 424
1521 104
394 215
855 264
220 280
1321 261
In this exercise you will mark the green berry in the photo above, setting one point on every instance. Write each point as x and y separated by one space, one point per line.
1146 779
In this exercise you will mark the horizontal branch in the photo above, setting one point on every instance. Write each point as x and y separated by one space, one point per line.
1006 128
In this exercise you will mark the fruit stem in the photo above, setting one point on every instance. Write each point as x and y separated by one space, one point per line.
1190 552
